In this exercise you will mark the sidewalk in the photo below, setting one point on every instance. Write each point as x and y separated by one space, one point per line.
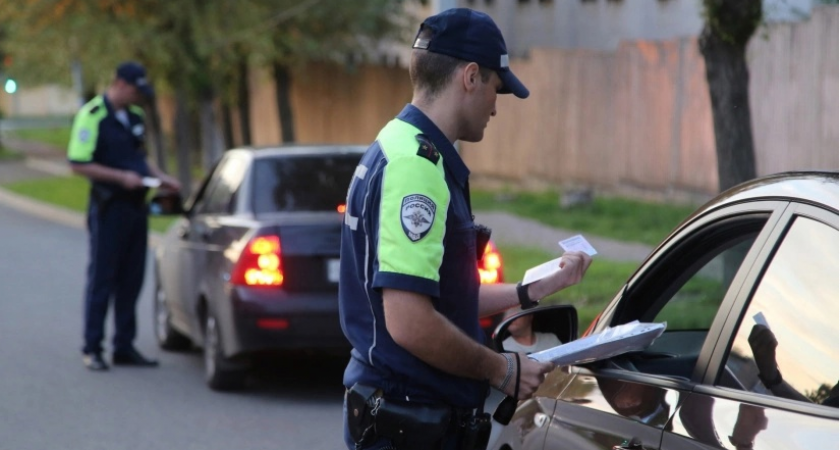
42 161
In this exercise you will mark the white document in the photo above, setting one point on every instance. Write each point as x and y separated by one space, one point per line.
151 182
539 272
760 319
611 342
578 243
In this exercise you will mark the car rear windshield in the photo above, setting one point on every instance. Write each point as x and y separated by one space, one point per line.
302 183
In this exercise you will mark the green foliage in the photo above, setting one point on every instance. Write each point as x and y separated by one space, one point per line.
197 42
733 21
622 219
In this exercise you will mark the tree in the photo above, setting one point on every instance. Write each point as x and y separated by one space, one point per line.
729 25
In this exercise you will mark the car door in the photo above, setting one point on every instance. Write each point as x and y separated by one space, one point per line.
691 283
793 290
199 234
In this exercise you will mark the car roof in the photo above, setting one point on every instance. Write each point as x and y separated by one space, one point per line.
300 150
814 187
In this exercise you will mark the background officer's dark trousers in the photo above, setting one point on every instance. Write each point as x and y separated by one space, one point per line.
118 245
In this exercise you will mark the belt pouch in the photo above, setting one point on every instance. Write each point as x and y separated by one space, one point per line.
476 432
360 401
412 426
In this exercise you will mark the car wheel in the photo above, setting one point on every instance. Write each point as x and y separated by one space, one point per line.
168 338
219 375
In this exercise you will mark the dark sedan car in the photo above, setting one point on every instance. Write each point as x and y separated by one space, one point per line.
750 280
252 265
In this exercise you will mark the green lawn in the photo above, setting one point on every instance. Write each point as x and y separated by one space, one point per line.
616 218
70 192
56 137
7 154
602 282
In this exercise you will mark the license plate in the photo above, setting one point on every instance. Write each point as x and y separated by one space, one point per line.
333 268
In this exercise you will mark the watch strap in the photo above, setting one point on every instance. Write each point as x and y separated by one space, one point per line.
524 298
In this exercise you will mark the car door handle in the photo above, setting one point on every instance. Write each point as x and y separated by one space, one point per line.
629 444
184 232
205 235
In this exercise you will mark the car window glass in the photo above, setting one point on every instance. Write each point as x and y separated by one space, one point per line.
685 287
695 304
798 300
303 183
228 177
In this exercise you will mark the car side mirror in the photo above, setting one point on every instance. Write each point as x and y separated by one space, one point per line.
166 204
560 320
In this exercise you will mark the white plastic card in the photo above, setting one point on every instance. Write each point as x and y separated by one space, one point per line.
578 243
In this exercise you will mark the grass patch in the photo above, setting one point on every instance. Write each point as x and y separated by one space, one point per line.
56 137
7 154
616 218
70 192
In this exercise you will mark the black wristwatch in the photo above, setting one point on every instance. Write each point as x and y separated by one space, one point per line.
524 298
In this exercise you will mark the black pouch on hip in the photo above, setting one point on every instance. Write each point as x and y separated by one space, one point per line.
361 401
413 426
476 432
482 237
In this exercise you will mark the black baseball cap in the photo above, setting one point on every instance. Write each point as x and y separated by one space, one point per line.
134 73
471 36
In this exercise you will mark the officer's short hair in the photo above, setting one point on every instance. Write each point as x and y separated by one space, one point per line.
465 35
430 72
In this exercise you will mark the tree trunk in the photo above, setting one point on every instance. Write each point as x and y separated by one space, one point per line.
282 81
157 134
243 95
211 137
227 127
183 140
729 26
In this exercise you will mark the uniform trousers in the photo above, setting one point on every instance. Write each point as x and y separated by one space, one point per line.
118 233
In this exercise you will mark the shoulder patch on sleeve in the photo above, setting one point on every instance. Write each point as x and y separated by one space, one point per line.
417 216
427 149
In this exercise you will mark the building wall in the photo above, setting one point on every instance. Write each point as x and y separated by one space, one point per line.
49 100
588 24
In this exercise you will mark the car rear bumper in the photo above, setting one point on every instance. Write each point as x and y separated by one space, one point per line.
270 320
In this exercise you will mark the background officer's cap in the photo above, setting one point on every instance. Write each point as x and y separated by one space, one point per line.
134 73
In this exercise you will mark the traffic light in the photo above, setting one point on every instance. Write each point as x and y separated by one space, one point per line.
10 86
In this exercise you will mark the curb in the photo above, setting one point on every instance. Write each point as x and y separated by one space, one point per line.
56 214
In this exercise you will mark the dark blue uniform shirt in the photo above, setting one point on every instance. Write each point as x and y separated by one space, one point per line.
408 226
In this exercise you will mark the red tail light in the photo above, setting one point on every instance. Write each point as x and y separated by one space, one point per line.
490 266
342 208
485 322
259 264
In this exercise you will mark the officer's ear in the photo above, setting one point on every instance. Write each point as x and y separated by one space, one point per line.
471 76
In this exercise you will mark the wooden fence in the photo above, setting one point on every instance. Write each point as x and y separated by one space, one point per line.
636 121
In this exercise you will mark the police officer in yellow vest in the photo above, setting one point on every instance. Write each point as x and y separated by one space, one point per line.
409 291
107 146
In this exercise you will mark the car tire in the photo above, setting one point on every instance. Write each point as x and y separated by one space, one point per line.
218 373
168 338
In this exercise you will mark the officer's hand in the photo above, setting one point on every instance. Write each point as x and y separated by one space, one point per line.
531 375
574 265
131 180
763 344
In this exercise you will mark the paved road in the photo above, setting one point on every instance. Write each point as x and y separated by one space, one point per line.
48 400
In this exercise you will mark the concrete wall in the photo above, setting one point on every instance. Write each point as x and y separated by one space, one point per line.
50 100
589 24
